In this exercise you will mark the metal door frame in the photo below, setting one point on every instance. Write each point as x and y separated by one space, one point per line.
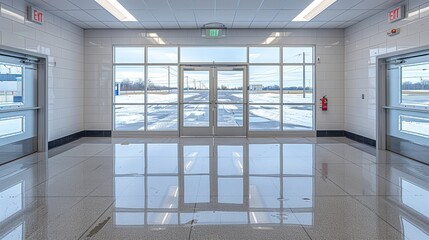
213 129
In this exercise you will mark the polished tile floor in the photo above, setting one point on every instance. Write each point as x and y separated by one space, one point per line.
214 188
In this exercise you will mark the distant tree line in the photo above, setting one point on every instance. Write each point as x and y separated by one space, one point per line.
422 85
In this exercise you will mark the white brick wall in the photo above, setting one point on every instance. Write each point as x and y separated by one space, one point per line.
363 42
98 64
63 43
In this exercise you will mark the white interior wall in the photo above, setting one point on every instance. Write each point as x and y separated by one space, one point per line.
98 64
366 40
63 43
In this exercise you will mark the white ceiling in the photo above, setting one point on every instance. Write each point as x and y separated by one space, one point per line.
173 14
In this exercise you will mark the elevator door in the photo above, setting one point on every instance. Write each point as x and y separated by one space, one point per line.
213 101
18 108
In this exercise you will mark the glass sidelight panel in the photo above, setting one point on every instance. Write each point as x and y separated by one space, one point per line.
264 117
129 84
129 117
297 84
298 117
264 84
162 118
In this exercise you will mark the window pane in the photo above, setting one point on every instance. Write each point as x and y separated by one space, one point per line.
264 55
296 55
162 55
129 84
415 84
196 115
129 117
414 125
298 117
162 117
230 115
11 84
293 84
264 84
230 86
264 117
129 54
162 84
213 54
196 86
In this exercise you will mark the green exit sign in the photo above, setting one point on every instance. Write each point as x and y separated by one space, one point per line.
214 32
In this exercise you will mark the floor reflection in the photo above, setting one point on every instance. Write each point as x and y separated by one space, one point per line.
162 184
215 189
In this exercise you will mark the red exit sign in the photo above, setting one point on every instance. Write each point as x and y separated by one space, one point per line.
36 15
396 14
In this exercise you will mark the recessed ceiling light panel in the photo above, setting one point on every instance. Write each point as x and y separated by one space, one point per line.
312 10
117 10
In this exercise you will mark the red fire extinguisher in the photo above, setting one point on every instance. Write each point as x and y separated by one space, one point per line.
324 102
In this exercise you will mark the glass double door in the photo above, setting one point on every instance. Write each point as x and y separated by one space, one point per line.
213 101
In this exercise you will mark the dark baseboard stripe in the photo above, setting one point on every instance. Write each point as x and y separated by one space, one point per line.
330 133
341 133
75 136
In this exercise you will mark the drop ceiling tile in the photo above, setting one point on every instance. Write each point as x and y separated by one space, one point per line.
116 24
134 4
259 24
42 5
205 15
245 15
64 16
327 15
344 4
313 24
143 15
81 15
366 15
241 24
392 3
188 24
169 25
295 24
157 4
184 15
286 15
250 4
225 15
102 15
332 24
348 24
265 15
62 4
227 4
182 4
285 4
96 24
349 15
204 4
281 24
133 24
163 15
151 25
86 4
369 4
81 24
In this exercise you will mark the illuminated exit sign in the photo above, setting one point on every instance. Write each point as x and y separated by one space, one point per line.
396 14
214 32
35 15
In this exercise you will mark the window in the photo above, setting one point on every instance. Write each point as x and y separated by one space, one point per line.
129 55
264 55
11 84
415 84
414 125
298 55
162 55
213 54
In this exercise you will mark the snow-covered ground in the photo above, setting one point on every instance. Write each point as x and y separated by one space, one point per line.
196 111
